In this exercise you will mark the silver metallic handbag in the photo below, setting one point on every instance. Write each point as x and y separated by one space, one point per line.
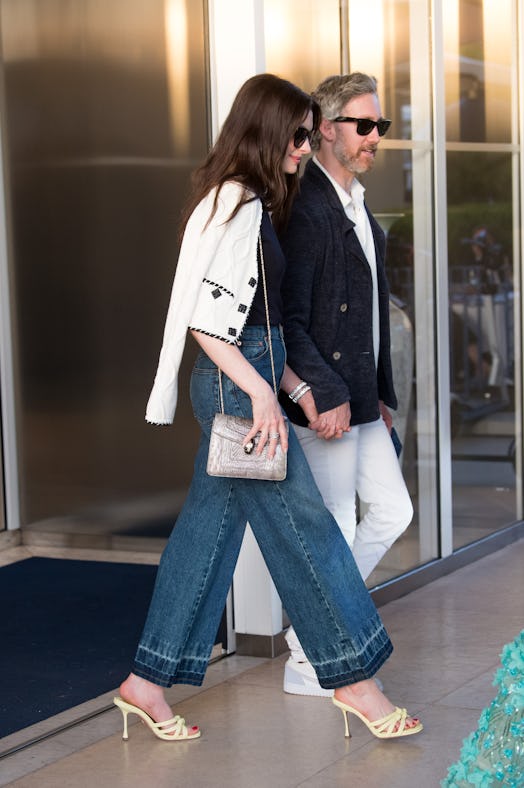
227 456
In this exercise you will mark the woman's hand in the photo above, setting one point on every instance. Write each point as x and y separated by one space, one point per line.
268 419
307 403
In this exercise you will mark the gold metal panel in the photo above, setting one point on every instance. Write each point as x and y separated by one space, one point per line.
106 116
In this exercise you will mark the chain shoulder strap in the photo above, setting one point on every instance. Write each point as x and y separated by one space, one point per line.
266 305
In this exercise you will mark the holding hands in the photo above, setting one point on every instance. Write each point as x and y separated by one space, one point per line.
332 423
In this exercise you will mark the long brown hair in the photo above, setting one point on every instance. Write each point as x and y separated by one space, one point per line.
252 144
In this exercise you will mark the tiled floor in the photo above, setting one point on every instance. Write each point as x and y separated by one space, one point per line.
448 637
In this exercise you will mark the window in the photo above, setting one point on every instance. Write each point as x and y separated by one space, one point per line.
482 182
394 49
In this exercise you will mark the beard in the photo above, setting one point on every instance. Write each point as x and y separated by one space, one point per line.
353 164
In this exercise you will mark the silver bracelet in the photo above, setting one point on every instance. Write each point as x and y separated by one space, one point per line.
295 391
301 393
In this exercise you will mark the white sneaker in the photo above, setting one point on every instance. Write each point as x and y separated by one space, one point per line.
293 644
300 679
299 674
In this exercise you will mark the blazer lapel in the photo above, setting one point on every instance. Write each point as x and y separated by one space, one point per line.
333 202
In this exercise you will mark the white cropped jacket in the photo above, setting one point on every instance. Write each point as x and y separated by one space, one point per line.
215 282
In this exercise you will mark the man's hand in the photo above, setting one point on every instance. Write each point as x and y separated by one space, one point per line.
386 415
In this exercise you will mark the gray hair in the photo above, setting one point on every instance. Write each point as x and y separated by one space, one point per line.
334 92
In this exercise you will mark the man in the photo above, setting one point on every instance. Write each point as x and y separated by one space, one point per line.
336 327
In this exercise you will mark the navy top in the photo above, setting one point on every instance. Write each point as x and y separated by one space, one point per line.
274 264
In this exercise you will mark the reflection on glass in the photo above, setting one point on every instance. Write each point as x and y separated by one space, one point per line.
99 161
390 197
2 509
478 59
302 42
481 343
384 51
177 64
393 49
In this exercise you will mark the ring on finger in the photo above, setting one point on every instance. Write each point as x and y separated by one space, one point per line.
273 436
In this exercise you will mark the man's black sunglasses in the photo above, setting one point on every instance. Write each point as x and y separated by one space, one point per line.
365 125
301 135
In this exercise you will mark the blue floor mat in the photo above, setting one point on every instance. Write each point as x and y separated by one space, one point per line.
68 633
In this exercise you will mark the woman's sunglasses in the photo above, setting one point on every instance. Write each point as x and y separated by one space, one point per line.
301 135
365 125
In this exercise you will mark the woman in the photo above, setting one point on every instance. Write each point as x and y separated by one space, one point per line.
243 190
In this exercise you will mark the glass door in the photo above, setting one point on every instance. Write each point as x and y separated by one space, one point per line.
480 51
2 497
395 49
105 116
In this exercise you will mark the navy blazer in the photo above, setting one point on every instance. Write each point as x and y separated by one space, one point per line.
328 303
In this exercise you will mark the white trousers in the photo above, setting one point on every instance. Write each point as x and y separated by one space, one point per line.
364 463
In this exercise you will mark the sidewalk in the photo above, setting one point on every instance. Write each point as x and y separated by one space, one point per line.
447 636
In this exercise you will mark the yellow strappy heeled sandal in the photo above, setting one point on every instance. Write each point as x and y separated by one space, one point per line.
174 729
389 727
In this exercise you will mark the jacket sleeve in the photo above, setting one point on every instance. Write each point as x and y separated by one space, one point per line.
198 249
304 263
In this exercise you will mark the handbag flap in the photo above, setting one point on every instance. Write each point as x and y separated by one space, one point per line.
232 428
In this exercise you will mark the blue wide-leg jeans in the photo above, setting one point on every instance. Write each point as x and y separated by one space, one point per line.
306 554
